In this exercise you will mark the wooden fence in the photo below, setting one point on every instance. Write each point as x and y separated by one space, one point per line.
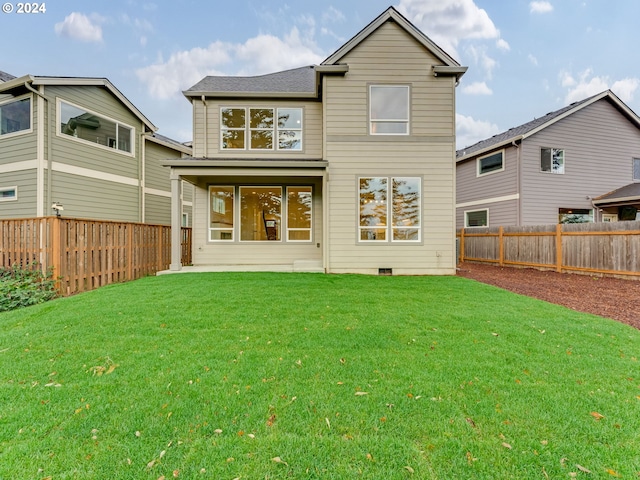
602 248
87 254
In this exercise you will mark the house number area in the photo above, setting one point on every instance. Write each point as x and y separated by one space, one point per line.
33 7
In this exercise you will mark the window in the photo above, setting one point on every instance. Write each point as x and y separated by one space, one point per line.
257 128
389 209
8 194
552 160
636 169
575 215
388 110
221 213
15 116
299 205
491 163
90 127
476 218
260 213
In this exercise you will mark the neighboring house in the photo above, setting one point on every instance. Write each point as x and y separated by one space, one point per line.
81 143
346 166
578 164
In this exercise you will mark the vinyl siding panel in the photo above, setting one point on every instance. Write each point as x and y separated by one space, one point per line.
25 205
85 197
156 176
253 253
500 213
157 209
210 146
391 56
471 187
599 145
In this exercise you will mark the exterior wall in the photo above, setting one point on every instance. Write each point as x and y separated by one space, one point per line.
209 145
428 152
25 205
599 145
157 209
489 190
253 253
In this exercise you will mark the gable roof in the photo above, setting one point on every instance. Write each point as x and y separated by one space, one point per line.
628 193
296 82
30 81
525 130
5 77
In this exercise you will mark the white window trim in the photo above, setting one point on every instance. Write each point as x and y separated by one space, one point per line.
466 218
407 121
275 147
226 229
59 133
501 169
28 130
8 189
564 161
389 227
310 229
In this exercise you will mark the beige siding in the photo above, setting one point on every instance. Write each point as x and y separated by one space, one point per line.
155 175
210 146
253 253
157 209
599 145
391 56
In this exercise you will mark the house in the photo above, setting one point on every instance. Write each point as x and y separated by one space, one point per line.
343 167
80 143
580 163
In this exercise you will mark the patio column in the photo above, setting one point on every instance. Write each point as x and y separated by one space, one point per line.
176 222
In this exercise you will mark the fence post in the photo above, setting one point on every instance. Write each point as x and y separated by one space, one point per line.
56 252
461 245
131 255
501 245
559 247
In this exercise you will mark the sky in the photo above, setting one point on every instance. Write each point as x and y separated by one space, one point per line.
526 58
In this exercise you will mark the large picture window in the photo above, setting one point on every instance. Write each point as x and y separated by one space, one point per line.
81 124
388 109
390 209
261 128
260 213
575 215
15 116
552 160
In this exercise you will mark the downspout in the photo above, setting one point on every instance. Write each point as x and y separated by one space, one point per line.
518 183
142 175
40 190
205 126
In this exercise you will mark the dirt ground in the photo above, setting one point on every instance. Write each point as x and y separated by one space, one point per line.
614 298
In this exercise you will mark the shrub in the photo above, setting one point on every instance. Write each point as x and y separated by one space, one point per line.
23 286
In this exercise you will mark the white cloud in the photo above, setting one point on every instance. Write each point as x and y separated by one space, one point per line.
470 131
79 27
258 55
480 57
333 15
477 88
588 85
447 22
540 7
503 45
533 60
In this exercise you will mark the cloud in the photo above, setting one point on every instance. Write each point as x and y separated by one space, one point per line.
533 60
79 27
540 7
447 22
477 88
480 57
503 45
258 55
588 85
470 131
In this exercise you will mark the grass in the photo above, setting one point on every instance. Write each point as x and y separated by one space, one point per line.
274 376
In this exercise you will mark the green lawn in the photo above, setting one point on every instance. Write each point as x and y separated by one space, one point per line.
269 376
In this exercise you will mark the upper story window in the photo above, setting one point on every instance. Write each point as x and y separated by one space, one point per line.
261 128
15 116
636 169
91 127
552 160
491 163
389 109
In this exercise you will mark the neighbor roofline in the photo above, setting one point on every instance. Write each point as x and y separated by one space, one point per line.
241 95
494 146
605 201
174 146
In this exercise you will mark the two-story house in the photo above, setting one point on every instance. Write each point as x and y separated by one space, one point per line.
346 166
577 164
81 144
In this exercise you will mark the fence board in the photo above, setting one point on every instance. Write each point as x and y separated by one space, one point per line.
87 254
603 248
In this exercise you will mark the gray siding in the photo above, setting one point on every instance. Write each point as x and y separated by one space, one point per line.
500 213
156 176
157 209
427 153
599 145
25 205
